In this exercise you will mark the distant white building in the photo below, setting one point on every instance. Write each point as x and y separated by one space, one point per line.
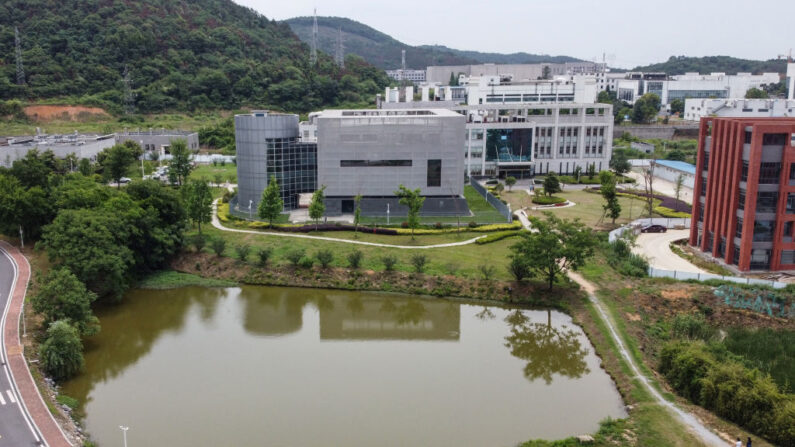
407 75
82 146
791 81
440 74
695 109
499 90
690 85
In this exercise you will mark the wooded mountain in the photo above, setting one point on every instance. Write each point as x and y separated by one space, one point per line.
181 55
384 52
715 64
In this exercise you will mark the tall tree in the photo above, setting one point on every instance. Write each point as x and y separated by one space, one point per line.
357 212
317 207
271 204
414 201
646 108
648 183
198 200
115 162
678 106
611 207
551 184
179 166
680 182
61 296
509 182
620 163
61 353
553 246
755 93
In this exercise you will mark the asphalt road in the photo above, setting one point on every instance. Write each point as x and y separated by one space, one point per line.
655 246
15 428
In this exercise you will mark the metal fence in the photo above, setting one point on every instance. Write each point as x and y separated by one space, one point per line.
502 208
684 276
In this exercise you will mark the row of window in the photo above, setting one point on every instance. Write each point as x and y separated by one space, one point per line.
374 163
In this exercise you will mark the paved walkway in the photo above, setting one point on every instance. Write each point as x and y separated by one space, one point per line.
217 224
32 401
706 435
656 247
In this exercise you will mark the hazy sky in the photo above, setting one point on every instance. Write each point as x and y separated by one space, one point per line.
631 32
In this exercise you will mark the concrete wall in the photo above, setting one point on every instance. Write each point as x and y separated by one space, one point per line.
157 140
86 149
652 131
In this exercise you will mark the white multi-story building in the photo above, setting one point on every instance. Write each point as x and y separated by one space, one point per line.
407 75
498 90
440 74
695 109
691 85
791 81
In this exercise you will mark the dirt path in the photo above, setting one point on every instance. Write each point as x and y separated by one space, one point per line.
695 426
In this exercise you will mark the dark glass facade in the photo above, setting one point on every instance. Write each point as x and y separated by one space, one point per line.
434 173
295 166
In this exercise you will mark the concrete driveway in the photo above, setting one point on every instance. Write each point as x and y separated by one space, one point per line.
655 246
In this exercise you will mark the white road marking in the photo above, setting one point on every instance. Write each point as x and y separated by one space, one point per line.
2 401
11 397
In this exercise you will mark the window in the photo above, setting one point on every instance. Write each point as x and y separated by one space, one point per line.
766 202
703 186
760 259
791 203
736 255
769 173
774 139
374 163
763 230
792 171
748 133
788 256
739 231
434 173
744 175
741 201
788 228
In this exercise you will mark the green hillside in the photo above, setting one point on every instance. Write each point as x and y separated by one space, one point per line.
711 64
384 52
182 55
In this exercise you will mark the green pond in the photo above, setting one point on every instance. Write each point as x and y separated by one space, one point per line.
269 366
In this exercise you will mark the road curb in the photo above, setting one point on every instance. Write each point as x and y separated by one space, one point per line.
30 398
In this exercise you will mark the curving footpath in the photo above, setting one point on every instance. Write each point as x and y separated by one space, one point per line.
28 421
217 224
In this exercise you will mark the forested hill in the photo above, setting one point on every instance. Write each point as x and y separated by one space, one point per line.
715 64
181 55
384 51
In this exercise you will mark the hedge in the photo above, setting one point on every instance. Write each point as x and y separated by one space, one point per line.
498 236
668 212
478 229
544 200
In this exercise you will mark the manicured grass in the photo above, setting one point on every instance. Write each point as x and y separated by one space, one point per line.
208 172
169 279
466 259
589 210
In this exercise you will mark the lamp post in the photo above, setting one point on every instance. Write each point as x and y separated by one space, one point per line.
387 213
143 155
124 433
249 208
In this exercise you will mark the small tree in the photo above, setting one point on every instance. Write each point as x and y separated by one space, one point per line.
264 254
180 165
518 269
413 200
243 251
198 200
680 181
419 261
551 184
218 245
577 172
357 213
487 271
294 256
498 188
591 171
218 179
355 259
325 257
317 207
116 160
648 183
61 354
612 207
271 204
84 166
509 182
198 241
554 246
389 262
619 163
61 296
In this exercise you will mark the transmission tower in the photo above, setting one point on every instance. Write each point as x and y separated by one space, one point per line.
129 95
313 53
340 55
18 53
403 60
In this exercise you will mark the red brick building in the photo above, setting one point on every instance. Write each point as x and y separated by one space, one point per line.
744 207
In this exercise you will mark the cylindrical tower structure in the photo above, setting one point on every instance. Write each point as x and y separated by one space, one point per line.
255 133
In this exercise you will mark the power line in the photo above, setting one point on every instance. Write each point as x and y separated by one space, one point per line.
18 54
340 55
129 95
313 53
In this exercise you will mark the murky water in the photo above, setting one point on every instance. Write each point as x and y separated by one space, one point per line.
265 366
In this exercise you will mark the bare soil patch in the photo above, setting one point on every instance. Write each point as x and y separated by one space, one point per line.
43 113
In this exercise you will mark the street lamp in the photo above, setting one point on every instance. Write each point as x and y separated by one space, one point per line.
124 432
249 208
143 155
387 213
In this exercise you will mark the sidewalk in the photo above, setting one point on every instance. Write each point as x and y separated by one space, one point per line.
31 398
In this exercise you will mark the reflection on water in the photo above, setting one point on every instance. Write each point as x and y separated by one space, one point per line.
254 366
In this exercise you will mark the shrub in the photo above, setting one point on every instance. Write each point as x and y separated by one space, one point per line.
294 256
243 251
498 236
198 241
404 224
472 224
487 271
419 261
305 262
548 200
389 262
61 353
218 245
518 269
438 225
264 254
692 327
355 259
325 257
451 268
668 212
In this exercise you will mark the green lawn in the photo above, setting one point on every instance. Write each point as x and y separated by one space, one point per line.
589 208
228 172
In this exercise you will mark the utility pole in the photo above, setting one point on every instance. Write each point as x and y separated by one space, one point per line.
403 60
313 52
340 55
18 54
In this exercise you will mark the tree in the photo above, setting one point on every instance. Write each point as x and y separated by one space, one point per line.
553 246
414 201
453 80
84 167
198 200
180 165
324 257
646 108
357 212
648 183
591 171
676 155
755 93
21 208
61 353
271 203
680 181
546 72
115 162
677 106
499 188
61 296
612 207
619 163
317 207
551 184
509 182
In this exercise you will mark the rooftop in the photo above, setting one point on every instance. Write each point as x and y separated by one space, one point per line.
678 165
391 113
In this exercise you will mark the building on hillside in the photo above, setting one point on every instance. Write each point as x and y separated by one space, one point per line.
268 145
745 190
415 76
497 90
372 152
670 170
690 85
440 74
695 109
159 140
82 146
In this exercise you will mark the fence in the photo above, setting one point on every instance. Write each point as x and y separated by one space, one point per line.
669 222
502 208
684 276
